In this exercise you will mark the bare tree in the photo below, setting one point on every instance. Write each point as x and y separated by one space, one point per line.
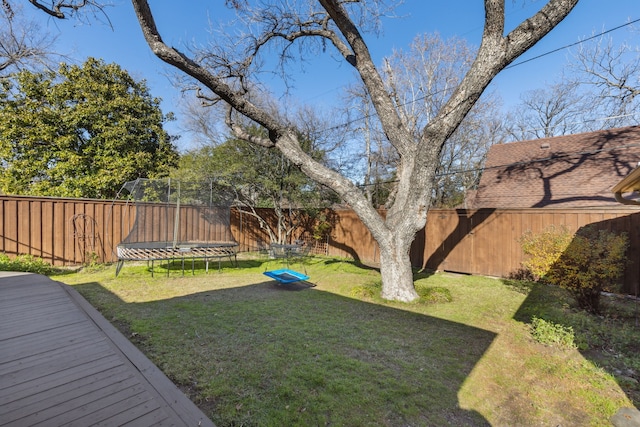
420 81
376 161
612 75
202 123
339 24
23 44
602 92
464 153
559 109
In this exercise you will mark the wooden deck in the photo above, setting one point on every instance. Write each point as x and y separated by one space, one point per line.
62 363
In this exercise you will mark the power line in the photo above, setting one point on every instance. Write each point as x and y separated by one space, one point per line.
552 158
420 98
572 44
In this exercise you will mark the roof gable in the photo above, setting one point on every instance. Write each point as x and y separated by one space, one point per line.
564 171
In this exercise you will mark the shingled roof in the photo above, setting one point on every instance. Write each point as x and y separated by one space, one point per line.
565 171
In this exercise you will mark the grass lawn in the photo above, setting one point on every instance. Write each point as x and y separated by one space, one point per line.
251 352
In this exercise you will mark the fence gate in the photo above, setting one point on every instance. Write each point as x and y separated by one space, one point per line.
84 236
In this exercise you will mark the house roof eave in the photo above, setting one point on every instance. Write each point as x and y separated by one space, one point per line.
629 184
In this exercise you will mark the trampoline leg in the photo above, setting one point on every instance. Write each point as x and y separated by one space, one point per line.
119 266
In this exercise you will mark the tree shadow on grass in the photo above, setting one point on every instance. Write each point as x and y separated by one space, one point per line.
606 340
263 355
609 340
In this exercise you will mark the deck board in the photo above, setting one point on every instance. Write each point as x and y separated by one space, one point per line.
42 342
63 364
56 393
59 380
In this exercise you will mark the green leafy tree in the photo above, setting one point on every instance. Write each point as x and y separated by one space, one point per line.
262 178
80 132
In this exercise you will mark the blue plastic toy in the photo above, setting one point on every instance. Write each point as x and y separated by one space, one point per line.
286 276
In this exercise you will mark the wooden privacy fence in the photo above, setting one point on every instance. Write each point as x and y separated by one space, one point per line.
62 231
77 231
485 241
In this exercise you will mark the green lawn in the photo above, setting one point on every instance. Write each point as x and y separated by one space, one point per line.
251 352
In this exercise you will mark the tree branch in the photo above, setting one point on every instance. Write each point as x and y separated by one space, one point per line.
279 135
388 115
176 58
240 132
56 8
496 52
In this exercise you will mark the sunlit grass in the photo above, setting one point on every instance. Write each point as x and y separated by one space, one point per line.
251 352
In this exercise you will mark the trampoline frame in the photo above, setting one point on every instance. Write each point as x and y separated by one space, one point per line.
166 251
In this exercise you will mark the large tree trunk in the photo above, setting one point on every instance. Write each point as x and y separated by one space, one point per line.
396 271
394 235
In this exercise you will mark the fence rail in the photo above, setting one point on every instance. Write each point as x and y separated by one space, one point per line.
485 241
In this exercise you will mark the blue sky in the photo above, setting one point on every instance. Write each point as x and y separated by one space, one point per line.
322 79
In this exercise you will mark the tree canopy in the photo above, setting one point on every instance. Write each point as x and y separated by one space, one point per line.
80 132
262 178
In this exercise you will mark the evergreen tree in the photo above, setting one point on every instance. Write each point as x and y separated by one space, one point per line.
80 132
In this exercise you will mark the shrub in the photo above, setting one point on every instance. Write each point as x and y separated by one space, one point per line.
522 274
544 249
25 263
367 290
593 262
321 226
549 333
434 294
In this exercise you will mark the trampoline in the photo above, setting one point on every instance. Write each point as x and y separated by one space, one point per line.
177 220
